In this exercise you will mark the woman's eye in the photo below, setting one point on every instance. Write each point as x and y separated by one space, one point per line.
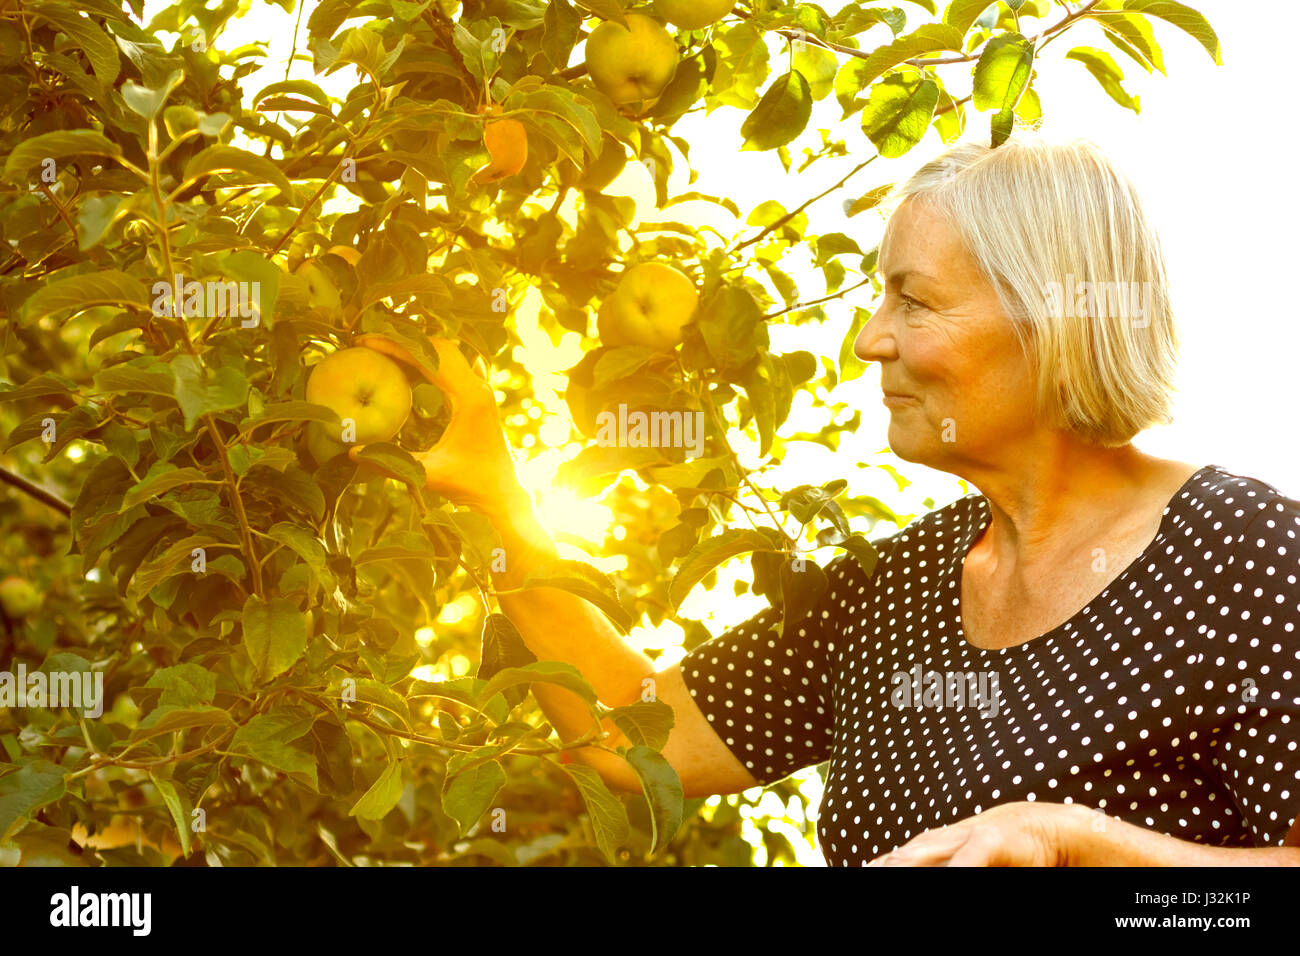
909 304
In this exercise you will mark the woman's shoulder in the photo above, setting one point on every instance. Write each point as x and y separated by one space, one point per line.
1231 504
938 531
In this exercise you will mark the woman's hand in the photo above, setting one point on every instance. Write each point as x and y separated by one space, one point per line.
470 464
1026 833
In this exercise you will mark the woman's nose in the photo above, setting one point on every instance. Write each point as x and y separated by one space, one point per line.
875 343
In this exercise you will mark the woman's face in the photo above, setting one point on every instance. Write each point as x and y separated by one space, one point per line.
966 391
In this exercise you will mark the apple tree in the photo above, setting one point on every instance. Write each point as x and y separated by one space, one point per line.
283 680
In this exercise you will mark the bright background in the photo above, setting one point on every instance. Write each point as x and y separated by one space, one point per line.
1209 155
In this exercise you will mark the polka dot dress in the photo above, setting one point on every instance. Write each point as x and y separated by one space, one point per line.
1171 701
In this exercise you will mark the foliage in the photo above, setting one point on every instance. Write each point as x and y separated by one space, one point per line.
256 616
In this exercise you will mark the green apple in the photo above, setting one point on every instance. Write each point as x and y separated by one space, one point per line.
651 306
18 597
693 14
632 65
322 294
362 385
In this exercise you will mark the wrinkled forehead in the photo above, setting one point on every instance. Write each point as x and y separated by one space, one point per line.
915 234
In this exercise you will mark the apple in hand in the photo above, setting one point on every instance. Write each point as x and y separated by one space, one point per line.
693 14
18 597
362 385
651 306
632 65
321 291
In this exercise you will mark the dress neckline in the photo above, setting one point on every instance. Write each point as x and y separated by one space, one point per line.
981 504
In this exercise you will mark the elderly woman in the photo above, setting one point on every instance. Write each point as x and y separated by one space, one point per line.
1137 617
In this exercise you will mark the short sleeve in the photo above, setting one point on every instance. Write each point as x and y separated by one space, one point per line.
770 696
1248 695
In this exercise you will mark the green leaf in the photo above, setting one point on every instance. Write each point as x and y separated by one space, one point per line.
149 102
26 790
85 291
307 546
542 672
200 390
1185 18
503 647
708 554
800 591
269 739
275 634
608 815
646 723
166 718
177 803
1106 72
587 582
157 380
863 551
470 793
291 412
898 112
184 684
962 14
163 477
87 36
1002 72
1130 33
382 796
780 115
931 38
395 461
663 792
227 159
47 383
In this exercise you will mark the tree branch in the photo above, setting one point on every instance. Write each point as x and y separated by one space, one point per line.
36 491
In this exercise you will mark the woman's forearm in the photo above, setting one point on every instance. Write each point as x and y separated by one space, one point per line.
1107 841
560 626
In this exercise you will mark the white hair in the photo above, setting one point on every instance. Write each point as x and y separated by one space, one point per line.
1063 238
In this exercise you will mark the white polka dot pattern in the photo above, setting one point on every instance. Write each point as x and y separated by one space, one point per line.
1171 700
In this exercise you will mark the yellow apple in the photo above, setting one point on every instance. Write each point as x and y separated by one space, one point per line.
651 306
321 291
18 597
632 65
361 385
693 14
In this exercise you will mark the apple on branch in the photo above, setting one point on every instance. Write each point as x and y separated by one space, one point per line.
322 294
693 14
651 306
632 65
18 597
360 385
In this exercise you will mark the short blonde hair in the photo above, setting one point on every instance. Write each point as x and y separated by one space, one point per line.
1058 230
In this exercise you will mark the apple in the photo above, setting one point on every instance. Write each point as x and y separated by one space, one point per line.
18 597
363 385
693 14
321 291
632 65
651 306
